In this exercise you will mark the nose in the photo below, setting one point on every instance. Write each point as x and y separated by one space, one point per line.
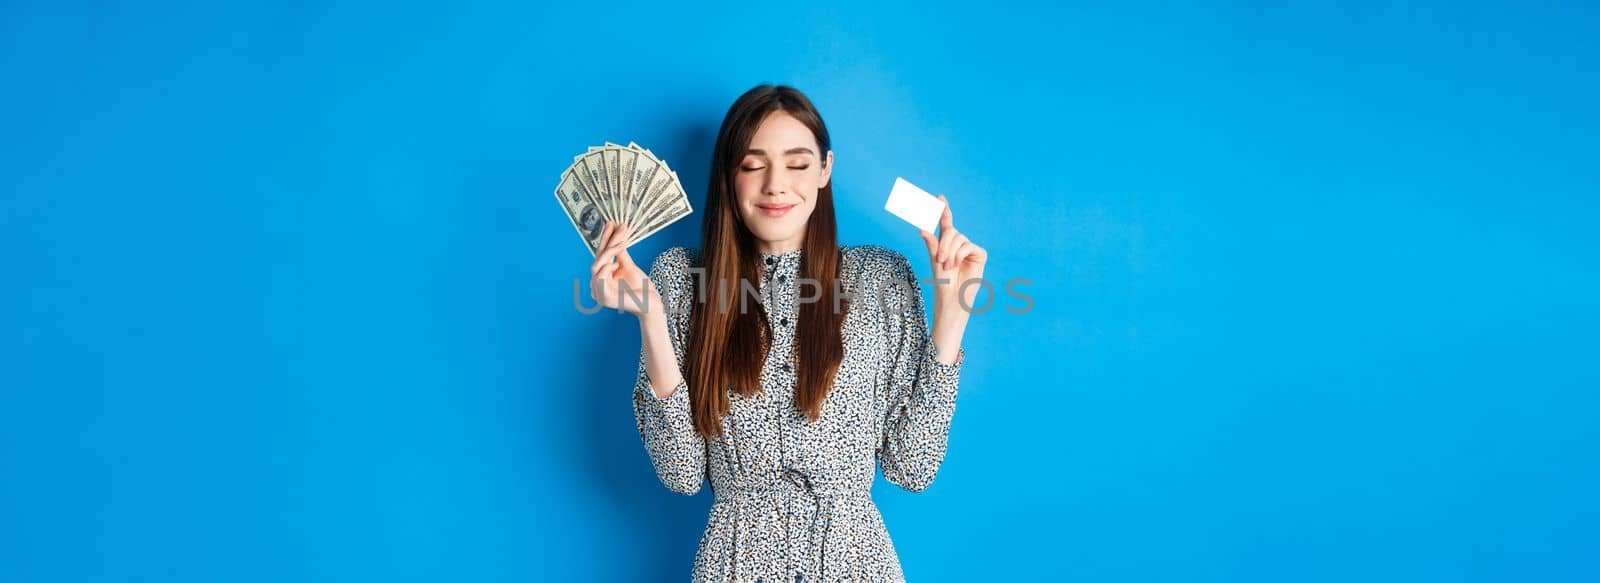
773 184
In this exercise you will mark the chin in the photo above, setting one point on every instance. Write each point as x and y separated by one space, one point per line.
774 232
773 235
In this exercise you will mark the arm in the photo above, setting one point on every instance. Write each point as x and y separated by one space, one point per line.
921 388
661 395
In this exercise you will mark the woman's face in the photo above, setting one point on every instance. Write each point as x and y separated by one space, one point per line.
777 181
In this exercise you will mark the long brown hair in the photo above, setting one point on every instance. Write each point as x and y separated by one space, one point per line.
728 345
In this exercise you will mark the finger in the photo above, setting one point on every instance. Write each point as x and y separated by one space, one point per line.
604 287
946 220
597 286
619 234
624 236
609 252
944 252
947 243
944 238
931 243
601 258
605 235
950 255
627 260
979 254
600 262
964 251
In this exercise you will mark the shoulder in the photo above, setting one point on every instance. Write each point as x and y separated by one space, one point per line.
671 268
876 263
675 259
881 277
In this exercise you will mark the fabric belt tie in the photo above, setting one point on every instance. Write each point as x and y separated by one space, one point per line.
825 495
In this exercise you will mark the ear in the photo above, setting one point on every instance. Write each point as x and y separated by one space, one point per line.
827 169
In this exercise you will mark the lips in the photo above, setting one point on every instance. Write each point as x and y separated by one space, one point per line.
775 210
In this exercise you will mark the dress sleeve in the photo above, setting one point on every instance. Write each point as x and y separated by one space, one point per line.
921 390
676 450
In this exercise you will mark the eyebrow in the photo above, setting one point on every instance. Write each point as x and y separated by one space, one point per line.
760 152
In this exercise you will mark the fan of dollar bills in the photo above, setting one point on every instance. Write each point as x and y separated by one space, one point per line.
622 185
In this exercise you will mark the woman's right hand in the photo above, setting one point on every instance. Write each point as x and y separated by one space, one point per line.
616 280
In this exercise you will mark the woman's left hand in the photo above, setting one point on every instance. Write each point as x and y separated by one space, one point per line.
956 259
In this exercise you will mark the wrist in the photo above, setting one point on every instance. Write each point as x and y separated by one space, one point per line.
654 312
951 308
948 321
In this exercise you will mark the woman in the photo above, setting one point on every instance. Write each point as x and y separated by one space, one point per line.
782 366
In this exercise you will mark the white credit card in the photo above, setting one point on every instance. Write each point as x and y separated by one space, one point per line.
914 205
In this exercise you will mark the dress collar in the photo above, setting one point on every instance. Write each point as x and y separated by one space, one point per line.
787 261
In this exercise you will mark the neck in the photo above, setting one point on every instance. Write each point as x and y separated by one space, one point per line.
780 247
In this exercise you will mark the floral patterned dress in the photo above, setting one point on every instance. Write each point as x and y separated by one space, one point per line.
793 497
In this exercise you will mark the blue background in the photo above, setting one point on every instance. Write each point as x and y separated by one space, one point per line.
287 297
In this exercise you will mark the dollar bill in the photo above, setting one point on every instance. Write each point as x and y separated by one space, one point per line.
597 163
629 162
644 172
585 215
623 184
656 199
613 163
592 178
671 204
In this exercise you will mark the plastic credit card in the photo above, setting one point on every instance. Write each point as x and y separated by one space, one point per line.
914 205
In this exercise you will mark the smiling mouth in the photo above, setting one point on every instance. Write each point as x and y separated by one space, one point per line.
775 211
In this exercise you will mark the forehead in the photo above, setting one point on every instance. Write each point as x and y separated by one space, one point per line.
781 131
